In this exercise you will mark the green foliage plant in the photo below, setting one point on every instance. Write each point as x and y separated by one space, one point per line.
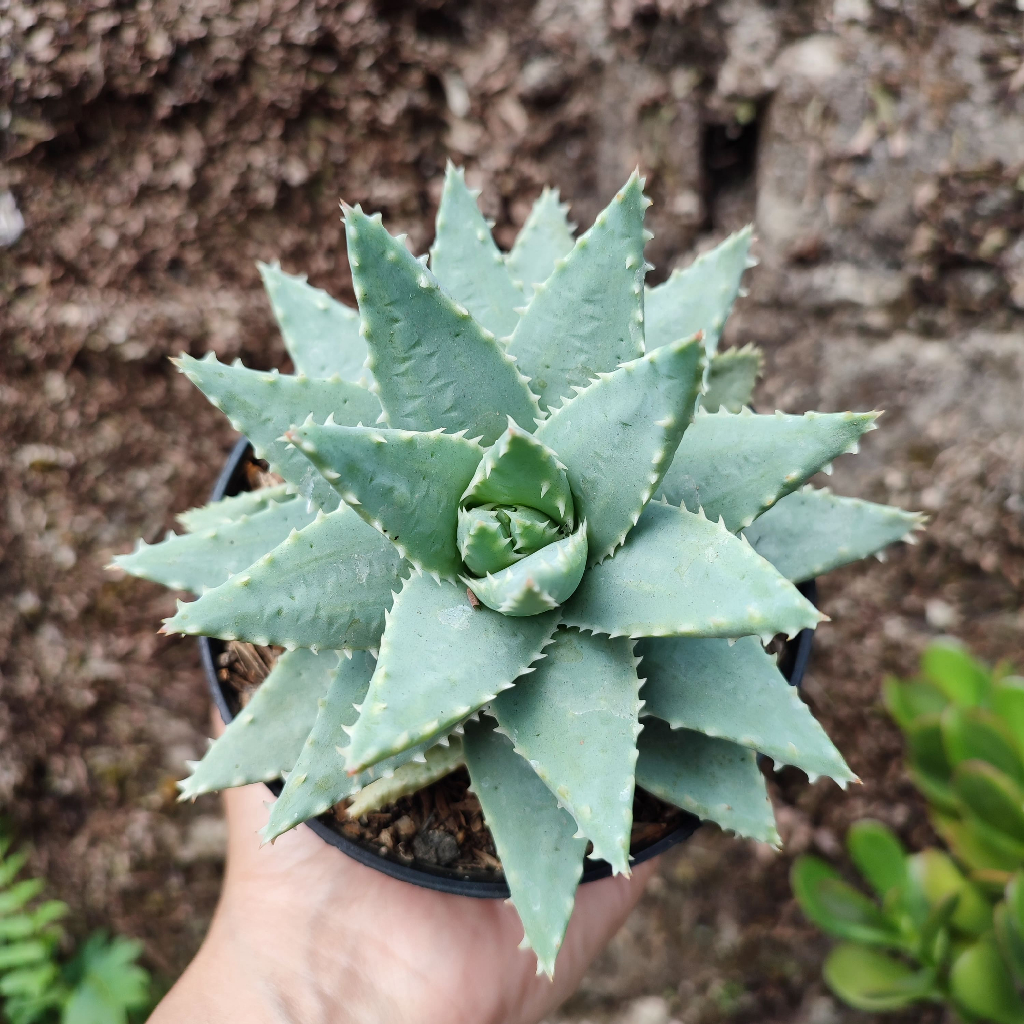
507 478
941 928
100 984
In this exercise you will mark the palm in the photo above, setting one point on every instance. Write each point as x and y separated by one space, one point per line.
380 949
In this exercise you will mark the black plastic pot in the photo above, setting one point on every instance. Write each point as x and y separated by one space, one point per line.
793 664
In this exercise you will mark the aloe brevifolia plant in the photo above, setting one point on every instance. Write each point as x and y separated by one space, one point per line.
507 480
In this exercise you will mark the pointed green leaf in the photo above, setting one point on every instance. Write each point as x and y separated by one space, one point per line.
530 530
519 469
974 733
712 778
320 333
878 854
731 378
227 510
587 317
699 297
949 665
538 582
264 405
484 540
434 365
195 561
870 980
440 660
404 483
838 908
736 693
440 760
21 954
545 237
265 737
326 586
617 438
575 720
992 796
19 894
982 985
811 532
737 466
534 837
466 261
320 779
678 574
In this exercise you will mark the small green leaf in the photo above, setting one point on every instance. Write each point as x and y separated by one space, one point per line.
196 561
698 297
19 894
712 778
1010 940
545 238
617 438
870 980
977 734
927 755
391 477
811 532
878 854
731 378
485 540
537 583
678 574
909 701
947 664
110 983
23 954
227 510
971 848
440 660
440 760
266 736
587 317
838 908
542 862
737 466
938 878
736 692
262 406
466 261
982 985
991 795
321 335
327 586
1008 703
519 469
574 719
434 365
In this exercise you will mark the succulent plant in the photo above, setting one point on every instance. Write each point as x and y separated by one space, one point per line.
507 478
943 929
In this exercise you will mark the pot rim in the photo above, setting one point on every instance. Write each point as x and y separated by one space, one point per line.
443 879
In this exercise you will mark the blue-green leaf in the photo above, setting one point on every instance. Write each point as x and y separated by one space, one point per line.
736 693
712 778
265 737
699 297
466 261
679 574
575 720
731 378
434 365
404 483
227 510
811 532
534 837
321 335
544 238
736 466
587 317
617 438
326 586
440 660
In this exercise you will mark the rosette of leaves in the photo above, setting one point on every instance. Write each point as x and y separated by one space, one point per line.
941 929
507 478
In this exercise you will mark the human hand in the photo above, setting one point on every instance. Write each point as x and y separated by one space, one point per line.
305 935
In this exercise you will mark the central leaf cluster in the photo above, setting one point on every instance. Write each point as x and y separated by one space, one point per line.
517 531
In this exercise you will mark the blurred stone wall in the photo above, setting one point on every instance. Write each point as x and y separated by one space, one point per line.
152 152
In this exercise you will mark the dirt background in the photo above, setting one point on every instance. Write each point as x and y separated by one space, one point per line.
153 151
